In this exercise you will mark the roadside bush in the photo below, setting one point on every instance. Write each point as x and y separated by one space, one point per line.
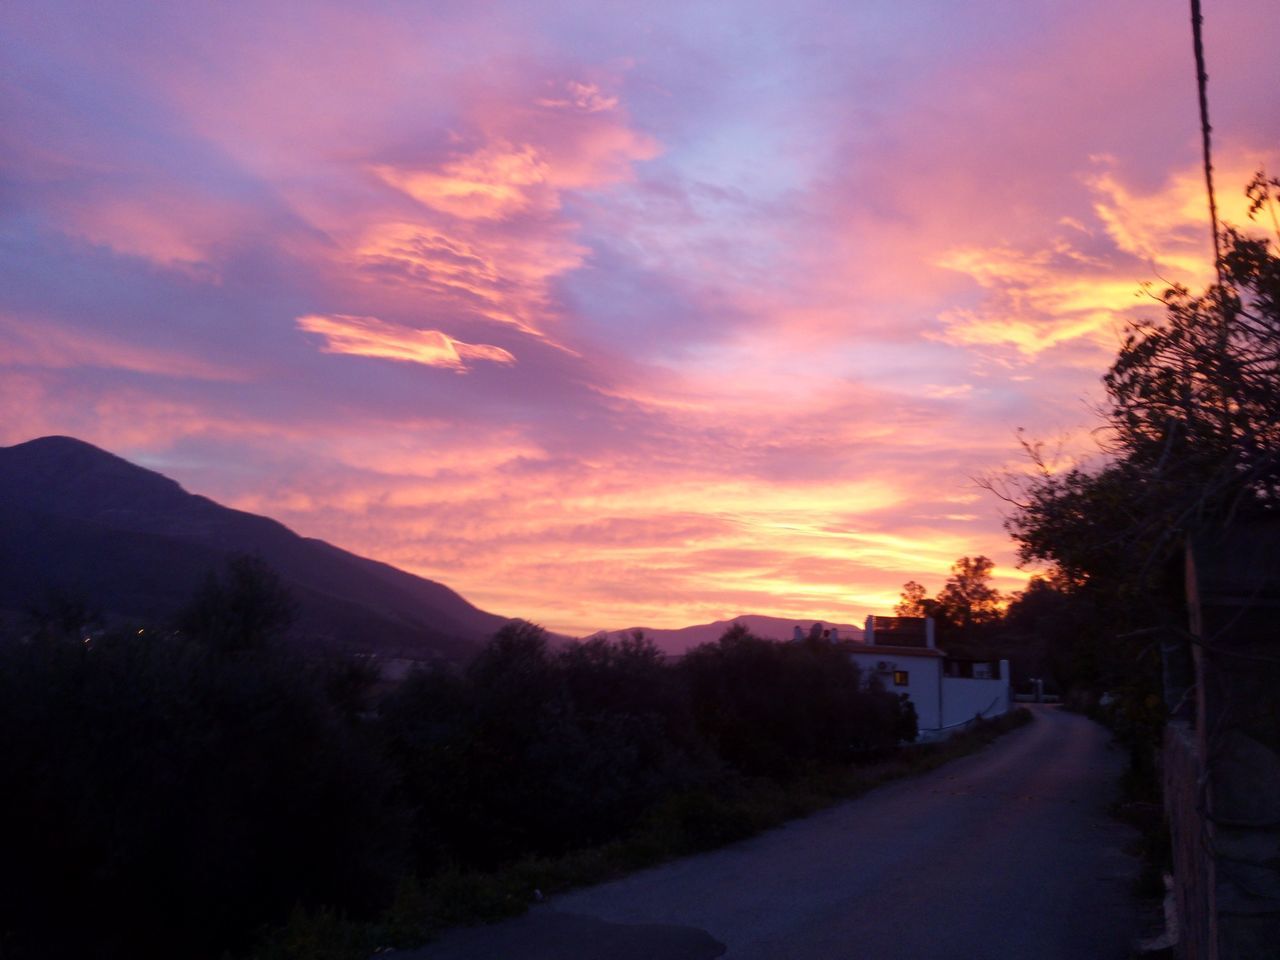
531 751
155 796
195 792
698 820
772 709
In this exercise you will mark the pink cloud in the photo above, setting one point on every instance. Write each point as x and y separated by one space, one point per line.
1087 278
581 96
496 181
27 341
371 337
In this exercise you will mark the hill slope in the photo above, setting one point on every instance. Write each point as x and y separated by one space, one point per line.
771 628
132 543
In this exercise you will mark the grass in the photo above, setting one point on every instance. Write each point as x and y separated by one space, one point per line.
686 823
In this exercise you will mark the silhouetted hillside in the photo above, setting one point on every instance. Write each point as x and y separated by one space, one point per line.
773 628
81 522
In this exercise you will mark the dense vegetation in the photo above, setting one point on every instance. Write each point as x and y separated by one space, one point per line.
187 789
1190 447
1190 444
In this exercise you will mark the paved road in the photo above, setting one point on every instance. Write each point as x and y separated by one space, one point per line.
1008 853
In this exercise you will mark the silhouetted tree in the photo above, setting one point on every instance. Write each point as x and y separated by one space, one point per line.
967 605
1047 632
965 611
772 708
155 797
1193 429
913 602
531 750
1192 437
241 610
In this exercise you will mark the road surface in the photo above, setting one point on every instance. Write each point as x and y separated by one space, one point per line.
1006 853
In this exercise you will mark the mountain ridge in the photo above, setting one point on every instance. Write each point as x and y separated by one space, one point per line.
83 521
678 640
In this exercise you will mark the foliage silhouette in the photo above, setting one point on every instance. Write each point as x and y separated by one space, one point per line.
770 709
966 611
243 609
198 787
915 601
1192 443
156 794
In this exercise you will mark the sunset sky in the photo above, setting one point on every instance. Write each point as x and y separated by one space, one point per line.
607 314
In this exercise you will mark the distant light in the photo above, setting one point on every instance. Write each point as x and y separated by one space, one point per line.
139 633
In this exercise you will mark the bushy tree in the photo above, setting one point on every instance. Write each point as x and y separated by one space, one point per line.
915 601
966 609
427 728
968 603
1192 425
194 788
1195 397
1047 631
533 750
153 794
538 750
1192 442
773 708
240 610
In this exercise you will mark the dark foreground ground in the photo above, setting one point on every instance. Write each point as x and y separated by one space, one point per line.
1008 853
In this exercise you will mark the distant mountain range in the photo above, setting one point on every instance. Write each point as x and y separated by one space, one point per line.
132 544
770 628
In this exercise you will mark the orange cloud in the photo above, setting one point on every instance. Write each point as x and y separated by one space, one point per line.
1071 290
494 277
522 167
486 236
1081 285
452 264
496 181
1169 227
1040 298
371 337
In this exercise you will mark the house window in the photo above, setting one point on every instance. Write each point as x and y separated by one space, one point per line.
899 678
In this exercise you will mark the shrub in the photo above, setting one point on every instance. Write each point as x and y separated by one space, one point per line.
154 793
770 709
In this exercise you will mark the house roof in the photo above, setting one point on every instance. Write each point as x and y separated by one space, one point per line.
876 649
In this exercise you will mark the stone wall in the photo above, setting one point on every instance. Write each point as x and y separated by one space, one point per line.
1188 832
1244 829
1222 749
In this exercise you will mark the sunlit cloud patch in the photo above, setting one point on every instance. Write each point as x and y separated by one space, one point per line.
371 337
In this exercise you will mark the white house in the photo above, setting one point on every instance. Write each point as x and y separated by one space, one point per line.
947 693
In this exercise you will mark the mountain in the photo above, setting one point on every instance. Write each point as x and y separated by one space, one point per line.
131 543
770 628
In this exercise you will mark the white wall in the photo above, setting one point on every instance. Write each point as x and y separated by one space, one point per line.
964 698
923 680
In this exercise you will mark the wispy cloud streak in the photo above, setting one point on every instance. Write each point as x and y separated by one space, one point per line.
371 337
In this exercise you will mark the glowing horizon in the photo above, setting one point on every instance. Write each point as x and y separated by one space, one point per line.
606 320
